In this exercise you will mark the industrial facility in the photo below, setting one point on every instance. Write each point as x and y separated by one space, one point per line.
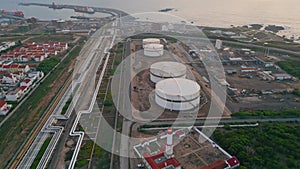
150 41
184 148
164 70
177 94
153 50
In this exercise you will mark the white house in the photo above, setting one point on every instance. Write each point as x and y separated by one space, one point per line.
38 58
26 82
10 79
13 95
25 58
23 68
4 107
36 75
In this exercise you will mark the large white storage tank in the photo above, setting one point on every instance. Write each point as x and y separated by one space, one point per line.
150 41
177 94
163 70
154 50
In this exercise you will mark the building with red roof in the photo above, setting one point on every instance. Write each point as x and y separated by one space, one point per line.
34 51
26 82
4 107
160 161
233 162
38 58
23 89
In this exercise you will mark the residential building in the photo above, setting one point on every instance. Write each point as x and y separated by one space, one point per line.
4 107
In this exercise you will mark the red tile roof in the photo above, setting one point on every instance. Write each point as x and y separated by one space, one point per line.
154 165
26 80
23 88
14 66
2 103
233 162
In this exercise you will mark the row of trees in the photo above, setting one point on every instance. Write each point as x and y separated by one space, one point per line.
267 113
264 147
291 66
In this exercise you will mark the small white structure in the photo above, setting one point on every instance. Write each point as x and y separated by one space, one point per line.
218 44
177 94
164 70
150 41
154 50
282 76
169 146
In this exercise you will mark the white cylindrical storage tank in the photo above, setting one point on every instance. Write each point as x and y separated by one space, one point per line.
177 94
150 41
154 50
163 70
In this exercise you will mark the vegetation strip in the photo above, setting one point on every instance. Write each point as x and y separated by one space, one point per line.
40 153
280 148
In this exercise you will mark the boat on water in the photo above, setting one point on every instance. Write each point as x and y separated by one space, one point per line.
84 10
13 13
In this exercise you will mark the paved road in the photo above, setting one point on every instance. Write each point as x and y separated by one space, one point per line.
226 120
124 147
237 43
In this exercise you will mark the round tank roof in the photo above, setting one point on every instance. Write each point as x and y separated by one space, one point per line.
168 69
151 40
177 89
154 46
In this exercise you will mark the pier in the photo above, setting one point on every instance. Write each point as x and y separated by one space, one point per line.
111 11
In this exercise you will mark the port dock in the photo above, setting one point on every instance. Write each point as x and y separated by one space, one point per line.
110 11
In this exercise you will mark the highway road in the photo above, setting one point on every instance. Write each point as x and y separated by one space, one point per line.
125 75
242 44
214 121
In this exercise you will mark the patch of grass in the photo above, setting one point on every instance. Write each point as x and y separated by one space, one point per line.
296 92
81 163
12 38
47 65
66 106
58 38
292 67
267 113
40 153
108 103
85 152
